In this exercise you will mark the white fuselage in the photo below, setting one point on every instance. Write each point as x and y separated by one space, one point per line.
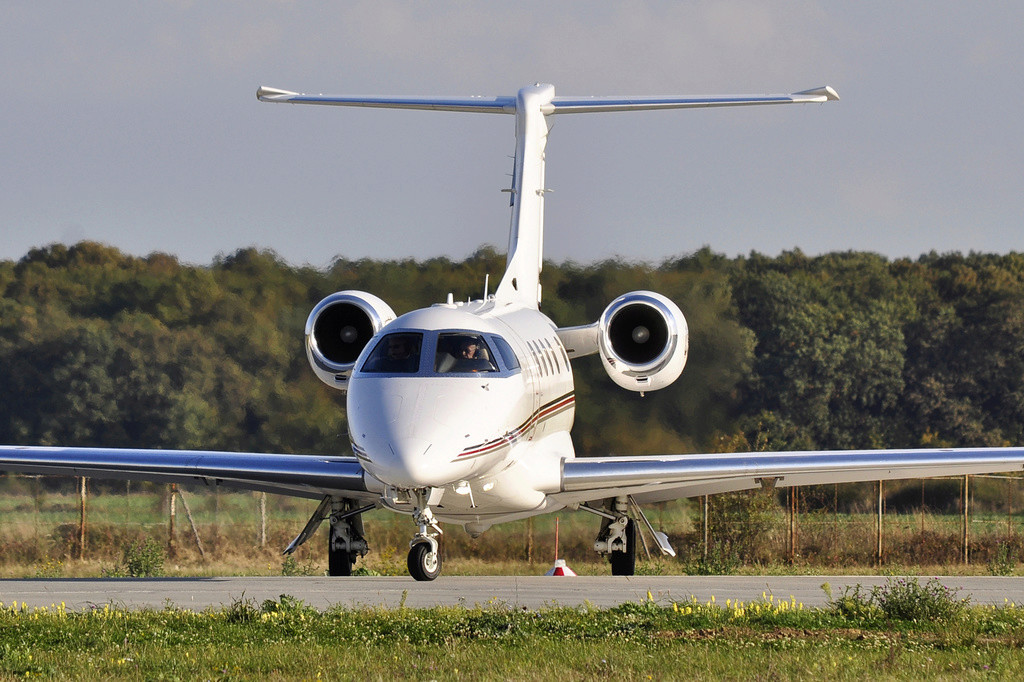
492 441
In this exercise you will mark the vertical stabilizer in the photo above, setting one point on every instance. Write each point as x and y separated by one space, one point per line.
531 106
521 282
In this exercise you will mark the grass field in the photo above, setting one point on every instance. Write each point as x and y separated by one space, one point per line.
904 631
898 635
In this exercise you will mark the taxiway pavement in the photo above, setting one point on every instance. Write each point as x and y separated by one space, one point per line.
530 592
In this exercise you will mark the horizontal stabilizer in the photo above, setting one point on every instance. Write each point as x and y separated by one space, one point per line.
496 105
273 94
827 92
575 105
558 105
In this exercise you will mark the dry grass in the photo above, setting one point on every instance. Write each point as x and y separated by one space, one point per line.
39 526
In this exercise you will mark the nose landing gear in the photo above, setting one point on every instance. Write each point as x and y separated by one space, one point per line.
424 552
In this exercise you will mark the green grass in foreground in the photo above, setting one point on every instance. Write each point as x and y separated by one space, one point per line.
901 631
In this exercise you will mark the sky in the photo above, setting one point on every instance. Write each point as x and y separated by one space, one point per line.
136 125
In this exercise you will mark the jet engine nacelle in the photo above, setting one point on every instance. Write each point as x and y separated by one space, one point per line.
643 341
338 329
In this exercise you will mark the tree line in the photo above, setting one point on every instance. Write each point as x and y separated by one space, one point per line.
843 350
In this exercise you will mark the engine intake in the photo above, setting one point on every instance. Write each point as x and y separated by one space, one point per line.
338 329
643 341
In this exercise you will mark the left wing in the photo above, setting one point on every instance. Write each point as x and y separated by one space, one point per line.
310 476
667 477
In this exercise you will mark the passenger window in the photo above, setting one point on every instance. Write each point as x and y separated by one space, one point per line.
463 352
395 354
508 356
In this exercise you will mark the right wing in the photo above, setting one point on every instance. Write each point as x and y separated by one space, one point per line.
668 477
311 476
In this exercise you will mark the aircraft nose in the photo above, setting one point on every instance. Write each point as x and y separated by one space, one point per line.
407 464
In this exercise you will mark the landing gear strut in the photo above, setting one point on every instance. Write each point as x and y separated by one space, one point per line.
346 542
618 535
617 538
424 552
624 561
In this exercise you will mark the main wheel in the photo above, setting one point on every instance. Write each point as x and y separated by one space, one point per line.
624 563
339 562
424 564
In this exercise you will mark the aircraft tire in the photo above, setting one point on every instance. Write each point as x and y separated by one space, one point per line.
624 563
423 563
339 562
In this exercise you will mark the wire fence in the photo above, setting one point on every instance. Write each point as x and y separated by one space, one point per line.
944 521
963 520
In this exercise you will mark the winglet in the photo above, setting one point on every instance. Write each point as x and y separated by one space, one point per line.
826 91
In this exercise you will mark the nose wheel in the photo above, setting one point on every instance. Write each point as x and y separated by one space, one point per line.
424 552
424 560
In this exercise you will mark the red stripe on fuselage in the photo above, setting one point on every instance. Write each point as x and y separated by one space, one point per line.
552 409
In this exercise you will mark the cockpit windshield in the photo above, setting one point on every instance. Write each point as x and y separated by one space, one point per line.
463 352
455 352
397 353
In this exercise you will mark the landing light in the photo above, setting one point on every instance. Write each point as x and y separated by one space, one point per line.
463 488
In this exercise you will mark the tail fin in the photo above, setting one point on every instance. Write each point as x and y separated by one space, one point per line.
521 283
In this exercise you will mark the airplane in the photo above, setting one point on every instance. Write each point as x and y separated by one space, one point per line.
461 412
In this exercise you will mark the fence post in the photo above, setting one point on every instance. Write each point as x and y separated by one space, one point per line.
263 519
171 519
707 528
792 524
922 507
529 540
81 518
966 510
192 522
1009 508
878 527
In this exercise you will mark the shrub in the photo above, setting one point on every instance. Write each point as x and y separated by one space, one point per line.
291 567
141 559
907 599
1003 561
899 599
721 560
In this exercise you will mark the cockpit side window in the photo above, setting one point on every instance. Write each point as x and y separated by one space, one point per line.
463 352
508 356
397 353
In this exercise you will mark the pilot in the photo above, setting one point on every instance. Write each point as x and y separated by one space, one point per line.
401 357
469 349
473 356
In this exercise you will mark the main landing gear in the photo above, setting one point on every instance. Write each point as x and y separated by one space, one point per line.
346 542
618 535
